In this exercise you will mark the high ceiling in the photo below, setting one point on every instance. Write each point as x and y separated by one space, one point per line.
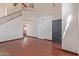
25 5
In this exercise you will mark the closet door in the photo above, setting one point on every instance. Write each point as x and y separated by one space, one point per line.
41 29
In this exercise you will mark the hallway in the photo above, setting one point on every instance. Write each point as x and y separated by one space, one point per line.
32 47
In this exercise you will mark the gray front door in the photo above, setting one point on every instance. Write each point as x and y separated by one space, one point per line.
56 31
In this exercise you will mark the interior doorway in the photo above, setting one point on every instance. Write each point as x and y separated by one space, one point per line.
24 29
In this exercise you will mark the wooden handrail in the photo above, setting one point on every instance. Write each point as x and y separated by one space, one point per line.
10 14
7 20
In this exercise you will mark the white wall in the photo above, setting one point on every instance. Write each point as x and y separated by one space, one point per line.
78 28
46 14
40 20
49 10
30 20
8 8
29 15
2 9
11 30
11 9
70 27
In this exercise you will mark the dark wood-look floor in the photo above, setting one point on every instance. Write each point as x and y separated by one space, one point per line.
32 47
